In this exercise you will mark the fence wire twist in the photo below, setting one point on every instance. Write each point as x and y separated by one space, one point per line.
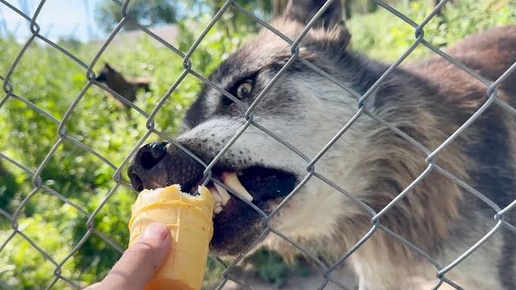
327 270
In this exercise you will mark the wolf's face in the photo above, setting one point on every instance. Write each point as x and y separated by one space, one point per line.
261 167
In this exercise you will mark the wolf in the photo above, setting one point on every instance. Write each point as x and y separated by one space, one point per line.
126 88
401 183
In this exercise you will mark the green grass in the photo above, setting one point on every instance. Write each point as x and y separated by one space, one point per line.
386 37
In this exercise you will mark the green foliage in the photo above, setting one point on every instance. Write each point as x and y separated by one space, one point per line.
269 265
22 265
8 190
52 81
385 36
213 275
145 12
273 269
156 12
236 20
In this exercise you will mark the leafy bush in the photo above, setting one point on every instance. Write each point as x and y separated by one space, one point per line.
52 81
394 36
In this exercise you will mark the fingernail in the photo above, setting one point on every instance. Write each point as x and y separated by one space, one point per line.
157 231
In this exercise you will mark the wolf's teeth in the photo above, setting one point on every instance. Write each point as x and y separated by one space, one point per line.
217 209
216 195
231 181
223 194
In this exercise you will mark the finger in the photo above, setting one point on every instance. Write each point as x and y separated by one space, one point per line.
141 261
93 286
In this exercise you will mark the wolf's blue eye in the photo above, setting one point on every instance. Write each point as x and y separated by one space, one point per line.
244 89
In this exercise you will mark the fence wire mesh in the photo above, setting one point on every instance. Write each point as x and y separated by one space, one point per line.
63 275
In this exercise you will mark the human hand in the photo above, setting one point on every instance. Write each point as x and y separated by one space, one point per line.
140 262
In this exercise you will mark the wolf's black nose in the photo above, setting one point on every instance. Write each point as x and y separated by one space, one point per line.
151 154
144 166
160 164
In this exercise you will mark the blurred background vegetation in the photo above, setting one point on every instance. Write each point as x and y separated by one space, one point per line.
52 81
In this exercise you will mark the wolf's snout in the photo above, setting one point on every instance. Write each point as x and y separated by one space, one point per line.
143 166
159 164
151 154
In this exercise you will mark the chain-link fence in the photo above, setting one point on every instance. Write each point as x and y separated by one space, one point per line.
20 213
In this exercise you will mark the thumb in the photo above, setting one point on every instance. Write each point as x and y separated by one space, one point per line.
141 261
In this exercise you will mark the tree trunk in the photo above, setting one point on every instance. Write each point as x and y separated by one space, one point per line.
347 9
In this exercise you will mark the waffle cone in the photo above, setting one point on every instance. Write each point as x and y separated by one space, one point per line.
189 219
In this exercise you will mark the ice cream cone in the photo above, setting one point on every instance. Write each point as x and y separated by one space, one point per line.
189 219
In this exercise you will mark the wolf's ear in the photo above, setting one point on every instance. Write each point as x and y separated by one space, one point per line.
107 66
304 10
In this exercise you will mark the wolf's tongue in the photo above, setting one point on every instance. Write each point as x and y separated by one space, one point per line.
231 180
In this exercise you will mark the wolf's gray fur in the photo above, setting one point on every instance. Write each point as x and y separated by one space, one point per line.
427 100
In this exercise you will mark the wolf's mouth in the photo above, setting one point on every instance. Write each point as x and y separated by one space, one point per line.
236 223
252 185
240 193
